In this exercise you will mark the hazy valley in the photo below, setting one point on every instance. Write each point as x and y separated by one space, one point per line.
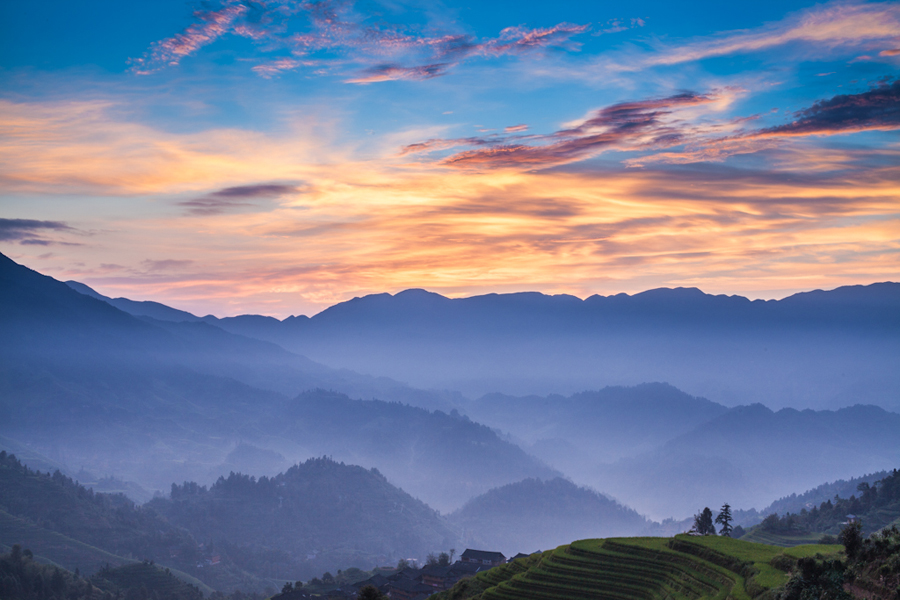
253 450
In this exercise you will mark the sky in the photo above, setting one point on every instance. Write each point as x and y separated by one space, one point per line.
280 156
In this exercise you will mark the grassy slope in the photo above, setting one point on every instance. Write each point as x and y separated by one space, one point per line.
684 567
57 549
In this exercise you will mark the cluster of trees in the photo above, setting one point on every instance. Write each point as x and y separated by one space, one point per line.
872 567
338 514
22 577
829 515
704 525
110 522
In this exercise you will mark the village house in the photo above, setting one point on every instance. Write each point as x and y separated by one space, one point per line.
482 557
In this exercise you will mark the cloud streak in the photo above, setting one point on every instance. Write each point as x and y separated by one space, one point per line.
30 231
876 109
331 28
640 124
833 25
235 198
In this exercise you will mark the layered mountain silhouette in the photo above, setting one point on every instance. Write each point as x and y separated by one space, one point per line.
821 349
154 400
86 385
751 454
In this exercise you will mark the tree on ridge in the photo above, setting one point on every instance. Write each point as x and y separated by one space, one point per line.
724 519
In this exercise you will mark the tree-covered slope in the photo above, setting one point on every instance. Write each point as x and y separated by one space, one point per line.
62 521
445 459
874 506
24 577
340 514
534 514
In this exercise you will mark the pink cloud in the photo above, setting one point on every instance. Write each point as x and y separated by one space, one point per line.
212 25
394 73
627 125
383 53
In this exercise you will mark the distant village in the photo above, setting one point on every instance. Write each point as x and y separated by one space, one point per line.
410 583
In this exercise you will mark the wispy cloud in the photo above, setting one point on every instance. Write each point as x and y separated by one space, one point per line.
30 232
211 24
237 197
876 109
618 25
395 72
165 265
330 31
628 125
834 25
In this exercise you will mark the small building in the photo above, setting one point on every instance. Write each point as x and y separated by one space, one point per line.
482 557
403 588
436 576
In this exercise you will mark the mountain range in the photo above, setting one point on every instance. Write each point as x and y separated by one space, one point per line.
87 385
149 400
820 349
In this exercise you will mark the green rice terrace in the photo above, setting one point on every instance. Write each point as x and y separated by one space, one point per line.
684 567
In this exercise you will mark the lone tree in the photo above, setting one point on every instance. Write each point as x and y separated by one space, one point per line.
724 519
703 523
852 539
370 592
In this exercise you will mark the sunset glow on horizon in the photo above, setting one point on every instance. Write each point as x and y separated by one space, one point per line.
280 156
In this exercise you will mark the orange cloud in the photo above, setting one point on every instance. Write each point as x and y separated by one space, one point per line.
383 224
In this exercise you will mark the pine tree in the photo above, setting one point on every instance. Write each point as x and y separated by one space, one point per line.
703 523
724 519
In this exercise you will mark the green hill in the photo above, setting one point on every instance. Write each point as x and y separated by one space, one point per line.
684 567
64 523
319 515
877 506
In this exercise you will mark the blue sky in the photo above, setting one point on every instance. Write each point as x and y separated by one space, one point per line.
278 156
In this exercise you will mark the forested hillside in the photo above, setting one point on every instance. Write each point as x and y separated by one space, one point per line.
874 507
62 521
22 577
317 516
441 458
843 488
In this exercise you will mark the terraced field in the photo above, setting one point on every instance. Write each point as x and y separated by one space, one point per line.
684 567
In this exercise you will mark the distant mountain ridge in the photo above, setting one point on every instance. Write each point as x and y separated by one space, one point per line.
84 384
753 454
531 515
821 349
